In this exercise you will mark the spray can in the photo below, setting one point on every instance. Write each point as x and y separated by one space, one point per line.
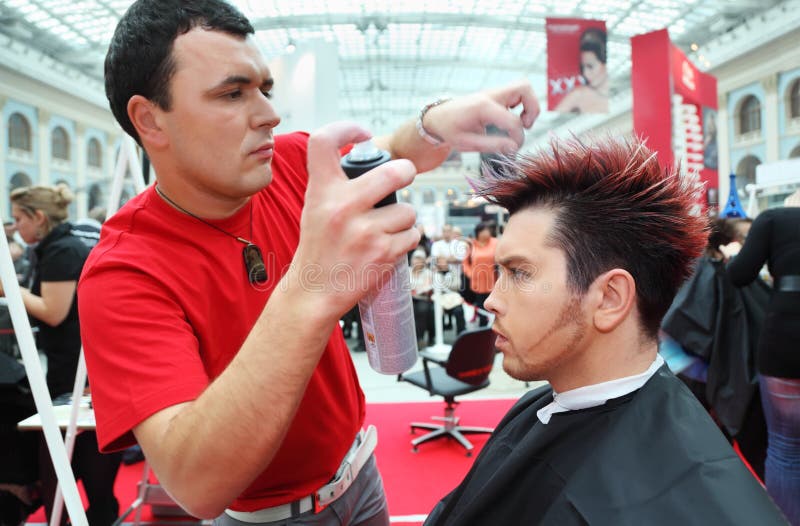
387 313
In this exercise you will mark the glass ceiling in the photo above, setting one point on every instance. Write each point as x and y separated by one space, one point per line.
395 56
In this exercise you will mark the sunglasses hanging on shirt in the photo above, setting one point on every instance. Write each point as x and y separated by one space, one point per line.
253 260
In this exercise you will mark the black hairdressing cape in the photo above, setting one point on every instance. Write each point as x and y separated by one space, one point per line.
721 323
651 457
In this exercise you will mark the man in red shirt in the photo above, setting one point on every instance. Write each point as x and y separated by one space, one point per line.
232 375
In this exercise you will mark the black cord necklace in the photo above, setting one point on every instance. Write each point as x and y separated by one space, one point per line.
253 260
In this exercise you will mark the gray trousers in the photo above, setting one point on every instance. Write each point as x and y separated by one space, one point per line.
363 504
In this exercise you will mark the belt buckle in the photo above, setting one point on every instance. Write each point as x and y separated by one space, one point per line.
333 490
316 505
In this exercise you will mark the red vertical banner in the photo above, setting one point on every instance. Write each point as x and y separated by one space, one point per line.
694 133
577 78
674 108
652 92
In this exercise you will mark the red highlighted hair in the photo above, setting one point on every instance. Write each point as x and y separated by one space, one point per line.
615 207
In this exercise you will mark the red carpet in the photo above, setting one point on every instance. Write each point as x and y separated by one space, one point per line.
414 481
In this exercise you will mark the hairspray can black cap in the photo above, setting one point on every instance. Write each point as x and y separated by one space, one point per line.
364 157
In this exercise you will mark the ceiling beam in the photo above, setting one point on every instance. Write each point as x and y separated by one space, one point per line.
391 62
363 21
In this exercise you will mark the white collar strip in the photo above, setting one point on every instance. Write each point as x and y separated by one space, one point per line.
596 394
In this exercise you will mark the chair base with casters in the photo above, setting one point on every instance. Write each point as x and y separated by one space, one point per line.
449 428
465 370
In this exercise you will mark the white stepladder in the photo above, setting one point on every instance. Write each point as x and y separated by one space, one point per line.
38 385
128 160
61 451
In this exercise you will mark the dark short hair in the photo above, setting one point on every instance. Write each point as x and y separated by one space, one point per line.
483 225
724 230
614 207
139 59
721 232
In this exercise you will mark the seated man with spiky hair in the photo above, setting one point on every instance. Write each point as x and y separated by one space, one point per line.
599 240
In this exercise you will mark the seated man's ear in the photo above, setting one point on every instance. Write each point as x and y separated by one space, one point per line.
614 296
146 118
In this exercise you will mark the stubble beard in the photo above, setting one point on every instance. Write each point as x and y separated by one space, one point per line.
533 368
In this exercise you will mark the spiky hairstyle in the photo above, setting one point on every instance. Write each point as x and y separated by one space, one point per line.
615 207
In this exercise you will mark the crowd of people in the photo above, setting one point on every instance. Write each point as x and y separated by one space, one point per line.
244 398
455 270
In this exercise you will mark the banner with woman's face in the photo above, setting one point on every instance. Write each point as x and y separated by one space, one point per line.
577 77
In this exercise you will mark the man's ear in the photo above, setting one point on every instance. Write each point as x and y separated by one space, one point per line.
145 117
615 292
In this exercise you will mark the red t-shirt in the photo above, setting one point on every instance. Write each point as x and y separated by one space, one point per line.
165 305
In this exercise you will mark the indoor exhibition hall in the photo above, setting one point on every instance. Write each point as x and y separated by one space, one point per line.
424 262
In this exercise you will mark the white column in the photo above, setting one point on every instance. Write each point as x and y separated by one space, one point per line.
306 94
44 147
81 190
724 149
771 133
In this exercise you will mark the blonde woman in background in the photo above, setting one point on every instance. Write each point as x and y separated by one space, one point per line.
40 214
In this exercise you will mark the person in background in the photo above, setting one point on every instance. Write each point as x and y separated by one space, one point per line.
479 266
712 330
449 248
592 95
774 240
449 286
461 251
599 239
230 371
40 214
421 291
424 243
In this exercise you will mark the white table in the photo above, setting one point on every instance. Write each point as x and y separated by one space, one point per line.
149 493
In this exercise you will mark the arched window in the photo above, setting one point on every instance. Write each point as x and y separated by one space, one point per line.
428 196
794 100
94 153
19 132
405 196
746 174
19 180
795 153
60 144
750 115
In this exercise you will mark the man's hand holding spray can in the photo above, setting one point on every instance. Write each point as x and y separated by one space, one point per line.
387 312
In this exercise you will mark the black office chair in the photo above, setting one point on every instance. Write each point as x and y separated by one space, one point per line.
465 370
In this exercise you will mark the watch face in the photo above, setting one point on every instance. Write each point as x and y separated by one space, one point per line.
254 264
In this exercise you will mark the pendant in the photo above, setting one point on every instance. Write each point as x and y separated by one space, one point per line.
254 264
